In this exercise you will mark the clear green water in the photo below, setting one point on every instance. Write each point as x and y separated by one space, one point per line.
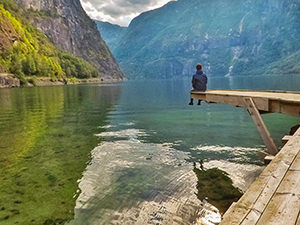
46 135
110 151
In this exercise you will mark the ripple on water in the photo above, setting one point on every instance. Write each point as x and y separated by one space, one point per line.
132 182
233 154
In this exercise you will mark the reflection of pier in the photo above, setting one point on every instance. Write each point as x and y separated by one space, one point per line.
274 198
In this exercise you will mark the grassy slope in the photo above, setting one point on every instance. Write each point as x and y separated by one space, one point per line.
27 52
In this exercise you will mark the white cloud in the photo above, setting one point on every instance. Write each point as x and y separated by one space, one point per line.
119 11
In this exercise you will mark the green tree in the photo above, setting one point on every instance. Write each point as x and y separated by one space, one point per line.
29 65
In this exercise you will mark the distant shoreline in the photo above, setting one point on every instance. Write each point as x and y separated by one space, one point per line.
11 81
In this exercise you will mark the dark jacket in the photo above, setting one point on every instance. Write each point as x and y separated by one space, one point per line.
199 81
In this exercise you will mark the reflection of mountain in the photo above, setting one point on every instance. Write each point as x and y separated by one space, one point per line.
46 135
228 37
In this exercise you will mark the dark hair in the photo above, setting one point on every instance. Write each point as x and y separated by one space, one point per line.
199 67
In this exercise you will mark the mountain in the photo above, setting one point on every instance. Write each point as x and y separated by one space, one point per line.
68 26
111 33
26 52
52 38
229 37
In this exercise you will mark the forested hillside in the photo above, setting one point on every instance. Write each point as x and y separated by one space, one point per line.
28 53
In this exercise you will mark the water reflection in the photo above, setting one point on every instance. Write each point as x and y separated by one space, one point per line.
132 182
46 135
142 172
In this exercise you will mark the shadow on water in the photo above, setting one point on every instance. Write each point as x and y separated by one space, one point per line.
217 188
46 135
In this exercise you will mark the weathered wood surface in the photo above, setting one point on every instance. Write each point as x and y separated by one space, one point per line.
274 198
265 101
268 159
286 138
298 222
262 129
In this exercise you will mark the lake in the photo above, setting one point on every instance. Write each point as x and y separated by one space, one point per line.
124 153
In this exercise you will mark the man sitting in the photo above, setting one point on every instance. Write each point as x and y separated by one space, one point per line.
199 82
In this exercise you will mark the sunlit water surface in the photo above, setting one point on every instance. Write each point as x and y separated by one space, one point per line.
124 152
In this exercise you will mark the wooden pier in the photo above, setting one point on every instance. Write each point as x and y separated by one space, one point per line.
274 198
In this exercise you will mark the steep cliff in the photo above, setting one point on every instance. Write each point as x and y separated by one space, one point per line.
28 53
229 37
67 25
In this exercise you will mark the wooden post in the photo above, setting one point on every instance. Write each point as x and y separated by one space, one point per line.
264 133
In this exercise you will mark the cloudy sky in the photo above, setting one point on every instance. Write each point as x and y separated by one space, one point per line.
119 11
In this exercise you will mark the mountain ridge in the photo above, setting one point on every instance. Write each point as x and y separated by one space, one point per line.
111 33
228 37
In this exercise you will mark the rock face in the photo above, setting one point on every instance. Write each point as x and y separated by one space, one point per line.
229 37
67 25
7 35
8 81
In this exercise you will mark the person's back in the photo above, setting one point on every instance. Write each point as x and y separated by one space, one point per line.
199 82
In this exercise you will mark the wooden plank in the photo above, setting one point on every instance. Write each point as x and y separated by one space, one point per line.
199 96
245 205
296 138
290 108
298 220
261 127
229 100
283 210
228 211
242 208
285 204
276 96
268 159
263 183
261 103
274 198
266 194
285 107
267 101
296 164
285 139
